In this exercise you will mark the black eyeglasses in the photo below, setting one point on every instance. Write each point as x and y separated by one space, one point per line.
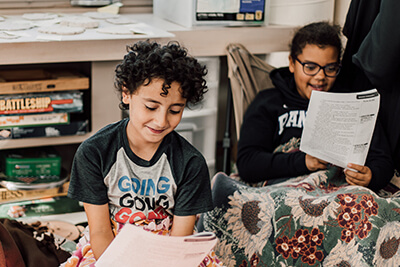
311 69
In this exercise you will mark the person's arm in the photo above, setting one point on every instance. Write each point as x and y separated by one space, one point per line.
100 229
183 225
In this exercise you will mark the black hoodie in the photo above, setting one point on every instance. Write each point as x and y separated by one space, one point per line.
274 118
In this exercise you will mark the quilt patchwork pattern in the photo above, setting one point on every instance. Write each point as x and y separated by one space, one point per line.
312 220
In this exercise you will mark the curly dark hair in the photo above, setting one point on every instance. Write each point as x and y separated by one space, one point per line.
148 60
320 33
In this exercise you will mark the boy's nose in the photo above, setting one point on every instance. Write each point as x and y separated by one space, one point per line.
161 119
320 74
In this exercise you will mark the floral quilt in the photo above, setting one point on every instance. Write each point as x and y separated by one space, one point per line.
313 220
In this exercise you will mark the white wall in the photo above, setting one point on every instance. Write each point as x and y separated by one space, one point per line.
280 59
341 7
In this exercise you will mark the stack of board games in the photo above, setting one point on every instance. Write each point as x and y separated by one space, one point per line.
42 103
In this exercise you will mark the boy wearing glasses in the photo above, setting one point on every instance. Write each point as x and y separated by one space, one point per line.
274 120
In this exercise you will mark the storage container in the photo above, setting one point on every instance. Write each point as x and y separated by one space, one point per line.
300 12
31 166
190 13
199 123
201 132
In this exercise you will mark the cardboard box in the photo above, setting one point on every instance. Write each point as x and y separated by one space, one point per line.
33 120
7 196
189 13
40 207
73 128
300 12
40 80
41 103
31 166
40 165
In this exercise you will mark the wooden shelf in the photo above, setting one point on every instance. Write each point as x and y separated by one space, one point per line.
42 141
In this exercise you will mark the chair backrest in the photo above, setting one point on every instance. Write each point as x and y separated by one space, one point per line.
248 74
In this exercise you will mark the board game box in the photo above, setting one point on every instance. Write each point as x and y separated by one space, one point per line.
30 166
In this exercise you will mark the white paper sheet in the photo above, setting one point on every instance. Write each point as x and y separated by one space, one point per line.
339 126
134 246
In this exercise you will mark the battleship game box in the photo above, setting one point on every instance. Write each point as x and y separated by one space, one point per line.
71 101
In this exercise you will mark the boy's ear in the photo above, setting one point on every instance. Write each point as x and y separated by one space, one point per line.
125 96
291 64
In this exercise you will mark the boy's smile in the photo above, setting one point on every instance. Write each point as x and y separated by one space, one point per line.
305 84
152 116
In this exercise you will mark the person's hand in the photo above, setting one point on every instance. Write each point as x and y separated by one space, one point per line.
362 176
314 164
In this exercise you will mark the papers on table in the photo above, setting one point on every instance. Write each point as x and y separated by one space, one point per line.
32 31
339 126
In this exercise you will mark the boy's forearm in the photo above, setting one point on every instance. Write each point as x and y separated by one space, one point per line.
100 242
183 225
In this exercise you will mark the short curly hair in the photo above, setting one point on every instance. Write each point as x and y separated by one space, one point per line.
149 60
321 33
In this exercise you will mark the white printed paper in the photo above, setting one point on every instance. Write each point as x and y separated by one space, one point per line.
134 246
339 126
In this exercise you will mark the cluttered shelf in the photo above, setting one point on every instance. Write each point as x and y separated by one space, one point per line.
45 112
40 101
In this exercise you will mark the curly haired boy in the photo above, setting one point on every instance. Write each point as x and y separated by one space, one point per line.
139 170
